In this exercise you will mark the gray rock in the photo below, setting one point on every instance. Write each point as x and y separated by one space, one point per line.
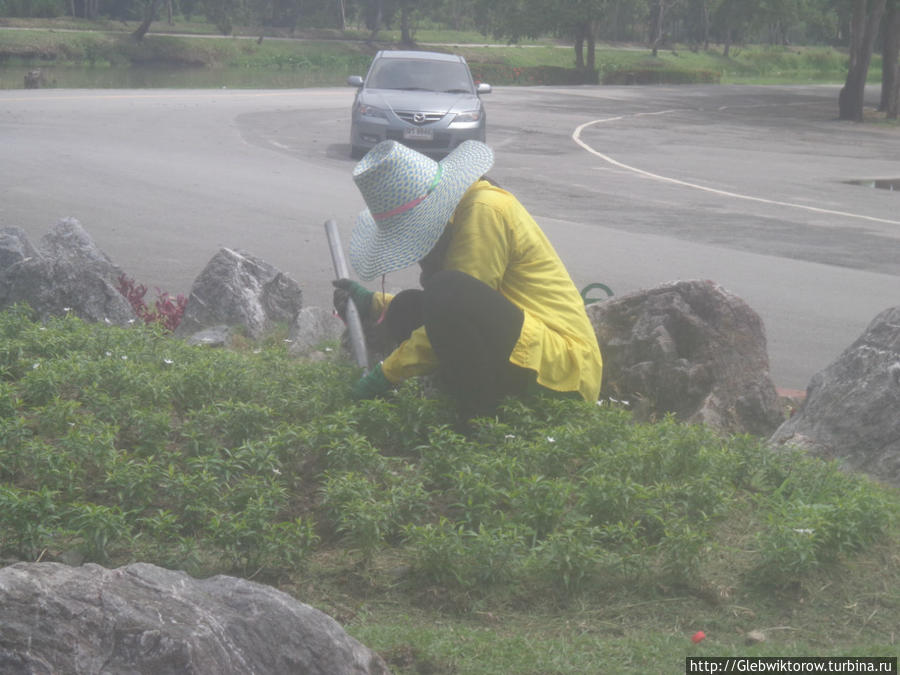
68 273
15 247
690 348
314 325
145 619
238 289
852 407
68 241
216 336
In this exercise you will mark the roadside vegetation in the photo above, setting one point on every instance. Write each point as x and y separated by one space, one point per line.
326 58
557 537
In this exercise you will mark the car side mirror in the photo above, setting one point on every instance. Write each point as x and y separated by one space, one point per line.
355 81
483 88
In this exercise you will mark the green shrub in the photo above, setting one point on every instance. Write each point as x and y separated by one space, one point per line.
498 74
660 75
28 521
816 516
125 442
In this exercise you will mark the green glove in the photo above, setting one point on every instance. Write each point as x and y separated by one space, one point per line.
344 290
371 384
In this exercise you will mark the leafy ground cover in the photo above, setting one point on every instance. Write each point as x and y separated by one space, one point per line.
556 537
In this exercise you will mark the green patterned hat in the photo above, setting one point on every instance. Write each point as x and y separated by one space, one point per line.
410 198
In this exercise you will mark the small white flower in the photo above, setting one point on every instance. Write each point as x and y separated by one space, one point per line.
124 358
803 530
277 472
67 309
600 403
509 437
107 320
288 340
35 366
168 362
550 439
130 321
109 353
42 328
328 349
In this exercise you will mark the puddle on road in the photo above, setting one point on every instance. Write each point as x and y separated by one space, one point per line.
892 184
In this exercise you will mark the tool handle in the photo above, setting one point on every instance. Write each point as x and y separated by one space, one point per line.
354 325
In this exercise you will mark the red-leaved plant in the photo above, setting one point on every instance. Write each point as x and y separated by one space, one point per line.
166 311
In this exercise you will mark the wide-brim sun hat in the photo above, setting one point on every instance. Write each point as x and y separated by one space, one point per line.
410 197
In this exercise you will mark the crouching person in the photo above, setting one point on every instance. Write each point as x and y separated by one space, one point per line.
497 314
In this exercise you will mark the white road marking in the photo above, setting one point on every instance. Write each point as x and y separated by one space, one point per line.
576 136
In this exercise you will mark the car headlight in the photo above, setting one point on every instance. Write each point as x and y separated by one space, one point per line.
467 118
370 111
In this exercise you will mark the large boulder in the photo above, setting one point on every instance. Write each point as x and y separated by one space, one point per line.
690 348
145 619
852 408
313 326
69 242
66 273
237 289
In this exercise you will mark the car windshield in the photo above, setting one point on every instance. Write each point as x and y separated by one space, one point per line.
419 74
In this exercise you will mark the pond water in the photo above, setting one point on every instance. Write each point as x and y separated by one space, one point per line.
156 77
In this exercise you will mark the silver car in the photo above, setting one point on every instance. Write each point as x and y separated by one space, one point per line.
425 100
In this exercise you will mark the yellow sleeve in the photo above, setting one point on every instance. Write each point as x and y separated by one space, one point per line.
380 302
411 358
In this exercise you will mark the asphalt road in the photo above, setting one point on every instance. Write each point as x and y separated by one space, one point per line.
635 186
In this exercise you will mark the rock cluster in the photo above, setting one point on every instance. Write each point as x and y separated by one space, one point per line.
64 273
67 273
688 348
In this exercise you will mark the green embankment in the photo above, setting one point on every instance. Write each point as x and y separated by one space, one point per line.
334 55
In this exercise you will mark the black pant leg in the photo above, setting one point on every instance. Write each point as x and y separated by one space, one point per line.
473 329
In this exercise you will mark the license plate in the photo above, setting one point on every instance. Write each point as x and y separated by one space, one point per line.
418 134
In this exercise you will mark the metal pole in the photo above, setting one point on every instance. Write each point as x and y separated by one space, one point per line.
354 325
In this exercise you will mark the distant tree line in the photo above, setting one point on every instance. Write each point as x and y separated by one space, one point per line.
860 26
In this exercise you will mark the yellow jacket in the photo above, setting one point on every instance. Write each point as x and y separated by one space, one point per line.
494 239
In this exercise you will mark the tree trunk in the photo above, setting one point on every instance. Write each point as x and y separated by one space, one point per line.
890 69
579 47
591 61
863 31
148 19
405 35
705 27
373 16
342 15
656 32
